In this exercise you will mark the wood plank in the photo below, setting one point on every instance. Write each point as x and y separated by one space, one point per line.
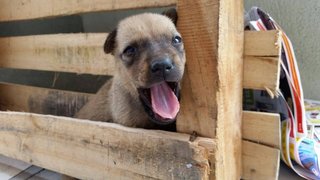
261 73
211 97
198 111
262 43
259 162
21 9
263 128
41 100
78 53
97 150
229 94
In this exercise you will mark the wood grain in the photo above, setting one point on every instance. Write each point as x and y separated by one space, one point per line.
96 150
229 93
261 73
212 87
259 162
41 100
78 53
263 128
198 24
262 43
31 9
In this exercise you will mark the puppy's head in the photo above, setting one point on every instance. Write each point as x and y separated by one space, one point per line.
151 51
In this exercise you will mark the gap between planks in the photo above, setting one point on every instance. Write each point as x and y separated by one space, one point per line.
41 100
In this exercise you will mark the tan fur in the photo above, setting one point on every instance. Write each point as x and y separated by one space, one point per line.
118 100
143 26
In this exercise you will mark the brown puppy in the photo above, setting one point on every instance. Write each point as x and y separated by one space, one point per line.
150 61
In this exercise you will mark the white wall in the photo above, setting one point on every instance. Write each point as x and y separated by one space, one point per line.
300 19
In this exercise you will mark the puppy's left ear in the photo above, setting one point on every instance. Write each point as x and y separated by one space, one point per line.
110 43
172 14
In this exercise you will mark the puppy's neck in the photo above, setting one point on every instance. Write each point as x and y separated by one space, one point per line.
125 103
122 82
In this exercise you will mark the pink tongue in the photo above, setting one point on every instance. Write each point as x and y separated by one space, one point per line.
164 102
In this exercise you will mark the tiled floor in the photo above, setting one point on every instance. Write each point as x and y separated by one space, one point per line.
18 170
287 174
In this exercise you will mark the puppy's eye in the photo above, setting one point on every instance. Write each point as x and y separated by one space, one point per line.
176 40
129 51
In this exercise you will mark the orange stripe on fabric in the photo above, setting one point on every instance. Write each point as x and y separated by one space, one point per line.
296 87
292 67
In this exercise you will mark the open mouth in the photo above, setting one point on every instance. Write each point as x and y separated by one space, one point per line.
161 102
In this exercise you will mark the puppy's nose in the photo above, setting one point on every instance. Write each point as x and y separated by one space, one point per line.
162 66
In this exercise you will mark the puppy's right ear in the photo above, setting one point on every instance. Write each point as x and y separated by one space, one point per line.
110 43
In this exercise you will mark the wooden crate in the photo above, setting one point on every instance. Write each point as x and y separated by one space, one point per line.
217 69
261 131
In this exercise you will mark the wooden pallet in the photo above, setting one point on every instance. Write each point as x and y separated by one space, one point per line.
261 131
217 70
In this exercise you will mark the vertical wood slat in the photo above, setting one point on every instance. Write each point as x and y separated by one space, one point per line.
211 99
32 9
229 94
198 25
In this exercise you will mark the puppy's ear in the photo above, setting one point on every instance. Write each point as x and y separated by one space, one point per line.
110 43
172 14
